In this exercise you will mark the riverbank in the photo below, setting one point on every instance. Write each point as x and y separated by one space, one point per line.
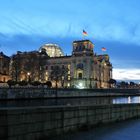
38 93
32 123
123 130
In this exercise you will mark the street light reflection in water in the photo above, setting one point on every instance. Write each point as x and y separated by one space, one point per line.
127 100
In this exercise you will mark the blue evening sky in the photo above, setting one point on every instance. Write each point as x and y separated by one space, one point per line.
26 25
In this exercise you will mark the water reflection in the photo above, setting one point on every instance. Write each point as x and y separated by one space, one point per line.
127 100
71 101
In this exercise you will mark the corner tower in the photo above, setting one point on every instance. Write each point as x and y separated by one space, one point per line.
82 47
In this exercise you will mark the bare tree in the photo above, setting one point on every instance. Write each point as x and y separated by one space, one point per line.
59 74
15 67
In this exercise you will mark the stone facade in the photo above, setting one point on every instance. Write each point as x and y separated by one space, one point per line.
85 69
82 69
28 66
4 67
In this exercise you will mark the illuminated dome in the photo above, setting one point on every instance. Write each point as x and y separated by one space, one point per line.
52 50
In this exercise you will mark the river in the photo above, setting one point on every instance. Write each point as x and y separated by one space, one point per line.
126 130
70 101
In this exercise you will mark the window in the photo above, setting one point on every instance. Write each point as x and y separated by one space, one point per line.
80 66
69 66
4 79
68 77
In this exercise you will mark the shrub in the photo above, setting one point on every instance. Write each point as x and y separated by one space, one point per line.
23 83
11 83
49 84
35 83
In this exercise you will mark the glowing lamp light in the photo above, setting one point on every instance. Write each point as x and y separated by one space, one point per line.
28 73
80 85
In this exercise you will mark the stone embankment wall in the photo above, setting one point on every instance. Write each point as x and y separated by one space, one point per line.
36 123
33 93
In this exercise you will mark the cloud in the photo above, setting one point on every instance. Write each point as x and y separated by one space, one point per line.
103 20
10 44
126 74
121 55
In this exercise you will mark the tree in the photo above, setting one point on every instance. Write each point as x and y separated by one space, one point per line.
29 62
123 84
23 83
49 84
36 83
15 67
42 63
59 74
11 83
112 82
132 83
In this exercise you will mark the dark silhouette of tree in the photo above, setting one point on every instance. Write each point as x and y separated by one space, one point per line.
112 82
123 84
11 83
59 74
29 62
36 83
23 83
43 56
132 83
49 84
15 67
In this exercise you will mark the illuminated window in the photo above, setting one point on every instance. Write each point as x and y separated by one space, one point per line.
68 77
4 79
69 66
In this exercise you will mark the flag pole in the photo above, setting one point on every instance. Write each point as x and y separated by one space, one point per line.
84 34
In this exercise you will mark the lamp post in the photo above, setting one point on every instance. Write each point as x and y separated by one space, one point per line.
29 76
62 81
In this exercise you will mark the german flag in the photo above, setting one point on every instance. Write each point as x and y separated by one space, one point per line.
103 49
85 33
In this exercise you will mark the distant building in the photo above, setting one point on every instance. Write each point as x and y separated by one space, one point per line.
28 66
82 69
85 69
4 67
52 50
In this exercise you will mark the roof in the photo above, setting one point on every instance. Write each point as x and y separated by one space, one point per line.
60 57
78 41
3 55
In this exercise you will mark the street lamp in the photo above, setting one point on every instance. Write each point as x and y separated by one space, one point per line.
62 81
28 76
